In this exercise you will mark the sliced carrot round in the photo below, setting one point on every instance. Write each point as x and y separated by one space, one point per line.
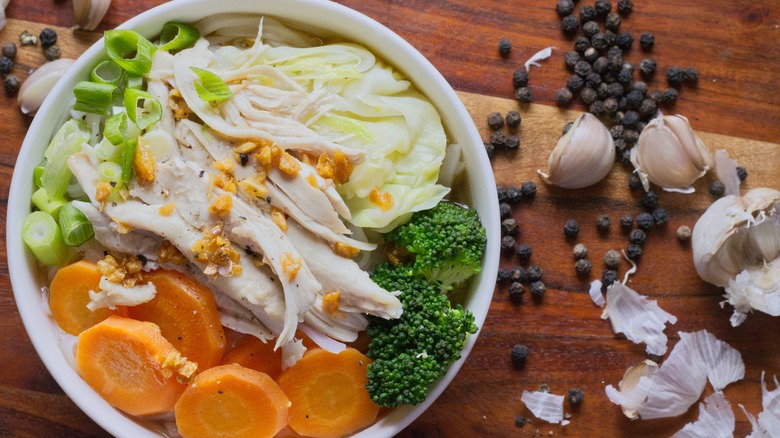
187 315
69 296
129 363
328 394
255 354
231 401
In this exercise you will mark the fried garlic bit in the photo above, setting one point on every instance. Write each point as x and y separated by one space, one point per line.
344 250
290 265
221 206
177 104
383 200
127 272
184 369
330 303
217 253
143 164
278 217
169 253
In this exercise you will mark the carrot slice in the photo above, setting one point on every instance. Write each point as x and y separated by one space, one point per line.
69 296
131 365
255 354
328 394
187 315
231 401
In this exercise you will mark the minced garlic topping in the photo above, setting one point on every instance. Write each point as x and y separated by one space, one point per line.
330 303
143 163
325 166
176 363
127 272
102 192
226 165
342 167
167 209
278 217
344 250
169 253
177 104
246 148
288 164
254 186
290 265
383 200
221 206
217 252
225 181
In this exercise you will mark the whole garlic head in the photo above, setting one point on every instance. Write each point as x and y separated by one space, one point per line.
736 245
670 155
582 157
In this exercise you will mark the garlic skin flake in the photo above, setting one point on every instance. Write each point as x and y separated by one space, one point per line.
670 155
736 245
582 157
35 89
637 317
595 293
89 13
545 406
716 420
726 171
768 423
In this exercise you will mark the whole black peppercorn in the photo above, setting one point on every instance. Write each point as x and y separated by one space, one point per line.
634 182
640 86
593 80
633 251
513 195
625 40
244 159
640 126
504 47
581 44
508 244
520 78
588 95
615 51
637 236
625 6
596 108
6 65
503 275
9 50
504 210
512 142
616 132
580 251
489 149
608 277
647 67
583 267
513 120
602 91
571 228
668 97
600 65
660 216
528 189
582 68
624 77
495 121
521 421
517 274
509 227
717 188
599 41
612 259
566 127
691 75
603 7
48 37
684 233
615 90
570 24
576 396
524 95
603 222
674 76
524 251
613 21
587 13
650 200
519 355
610 38
647 41
590 55
52 53
626 221
516 292
634 99
648 109
644 221
625 157
563 97
11 83
501 193
630 119
620 147
575 82
533 273
610 106
538 289
564 7
498 139
590 28
742 173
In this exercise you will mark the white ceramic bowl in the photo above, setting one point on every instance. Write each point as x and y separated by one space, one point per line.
26 278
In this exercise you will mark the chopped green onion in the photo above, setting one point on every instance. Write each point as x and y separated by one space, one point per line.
44 238
75 227
37 172
107 72
177 36
130 50
45 203
67 141
117 129
108 151
94 98
211 87
110 171
135 81
72 131
128 157
151 110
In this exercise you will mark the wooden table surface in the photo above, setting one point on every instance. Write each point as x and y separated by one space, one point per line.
734 46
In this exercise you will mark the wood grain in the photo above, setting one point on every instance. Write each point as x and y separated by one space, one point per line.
733 45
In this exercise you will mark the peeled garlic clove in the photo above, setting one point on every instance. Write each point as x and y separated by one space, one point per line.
670 155
582 157
726 171
89 13
35 89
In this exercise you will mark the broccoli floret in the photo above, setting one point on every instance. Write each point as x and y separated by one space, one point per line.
447 242
415 350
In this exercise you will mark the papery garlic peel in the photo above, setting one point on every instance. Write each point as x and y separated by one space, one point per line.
89 13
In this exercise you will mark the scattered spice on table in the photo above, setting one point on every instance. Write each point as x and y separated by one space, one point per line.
48 37
660 216
503 275
524 251
608 277
513 120
504 210
528 189
538 289
516 292
633 251
626 221
534 273
495 121
644 220
52 53
571 228
504 47
612 259
518 274
717 188
508 244
580 251
576 396
637 236
603 222
9 50
583 267
11 83
509 227
742 173
684 233
519 355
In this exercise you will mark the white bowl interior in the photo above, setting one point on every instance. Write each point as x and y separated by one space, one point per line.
26 278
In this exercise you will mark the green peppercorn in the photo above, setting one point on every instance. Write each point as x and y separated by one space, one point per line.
571 228
498 139
9 50
650 200
644 221
513 120
633 251
524 251
668 96
575 82
524 95
637 237
691 75
570 24
538 289
576 396
509 227
626 221
587 13
504 47
581 44
508 244
564 7
613 21
583 267
608 277
514 195
588 95
528 189
533 273
684 233
11 83
563 97
516 292
495 121
520 78
519 354
580 251
503 275
660 216
674 76
603 223
742 173
517 274
634 182
612 259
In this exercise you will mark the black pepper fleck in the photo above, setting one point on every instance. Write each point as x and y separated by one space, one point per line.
244 159
504 47
571 228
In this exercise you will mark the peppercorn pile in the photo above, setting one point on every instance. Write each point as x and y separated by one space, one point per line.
48 40
498 140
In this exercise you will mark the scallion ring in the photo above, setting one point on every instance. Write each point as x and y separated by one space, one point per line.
76 229
211 87
43 236
93 97
107 72
130 50
142 108
128 158
178 36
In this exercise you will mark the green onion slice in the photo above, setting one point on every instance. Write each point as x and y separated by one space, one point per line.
75 227
110 171
44 238
107 72
66 142
211 87
117 129
108 151
94 98
128 157
178 36
37 172
46 203
131 51
142 108
135 81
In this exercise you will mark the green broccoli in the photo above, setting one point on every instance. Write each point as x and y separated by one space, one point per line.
415 350
447 242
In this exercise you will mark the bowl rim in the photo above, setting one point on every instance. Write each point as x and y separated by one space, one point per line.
368 32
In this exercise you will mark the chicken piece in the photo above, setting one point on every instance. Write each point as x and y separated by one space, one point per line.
137 242
343 327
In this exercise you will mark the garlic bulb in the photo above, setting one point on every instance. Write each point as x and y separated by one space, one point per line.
582 157
38 85
670 155
736 245
89 13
